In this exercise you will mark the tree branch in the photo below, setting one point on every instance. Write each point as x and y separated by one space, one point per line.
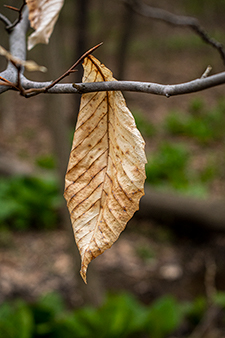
155 88
175 20
10 26
134 86
5 20
17 43
30 88
17 38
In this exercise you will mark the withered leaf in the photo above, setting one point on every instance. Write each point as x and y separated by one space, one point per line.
29 65
43 15
106 171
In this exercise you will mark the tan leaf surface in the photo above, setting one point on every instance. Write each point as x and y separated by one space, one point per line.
106 170
43 15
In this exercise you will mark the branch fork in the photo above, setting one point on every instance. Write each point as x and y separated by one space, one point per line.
35 91
13 78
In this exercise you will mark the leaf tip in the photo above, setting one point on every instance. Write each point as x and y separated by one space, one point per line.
83 273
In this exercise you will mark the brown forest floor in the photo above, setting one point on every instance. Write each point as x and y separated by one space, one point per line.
36 263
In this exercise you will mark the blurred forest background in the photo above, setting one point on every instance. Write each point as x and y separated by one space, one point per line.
165 277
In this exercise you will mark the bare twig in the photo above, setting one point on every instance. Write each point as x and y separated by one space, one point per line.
211 41
10 26
206 72
176 20
12 8
5 82
5 20
71 69
35 91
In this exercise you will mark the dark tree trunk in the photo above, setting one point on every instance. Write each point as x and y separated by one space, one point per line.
125 39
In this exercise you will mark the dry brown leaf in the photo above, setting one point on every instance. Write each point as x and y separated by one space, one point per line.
106 170
30 65
43 15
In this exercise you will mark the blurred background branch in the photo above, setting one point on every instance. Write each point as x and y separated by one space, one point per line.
175 20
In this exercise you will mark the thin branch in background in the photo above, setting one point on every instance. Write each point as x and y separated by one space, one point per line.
213 311
5 20
176 20
127 30
210 276
10 26
211 41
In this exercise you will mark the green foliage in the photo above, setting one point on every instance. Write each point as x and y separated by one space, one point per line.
169 167
46 161
203 7
219 299
164 317
147 129
16 321
145 252
201 124
169 43
168 164
195 310
123 316
47 308
5 237
120 316
28 202
172 166
183 42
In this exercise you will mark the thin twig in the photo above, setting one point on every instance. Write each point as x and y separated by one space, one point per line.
71 69
5 20
10 26
6 82
35 91
211 41
12 8
206 72
176 20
